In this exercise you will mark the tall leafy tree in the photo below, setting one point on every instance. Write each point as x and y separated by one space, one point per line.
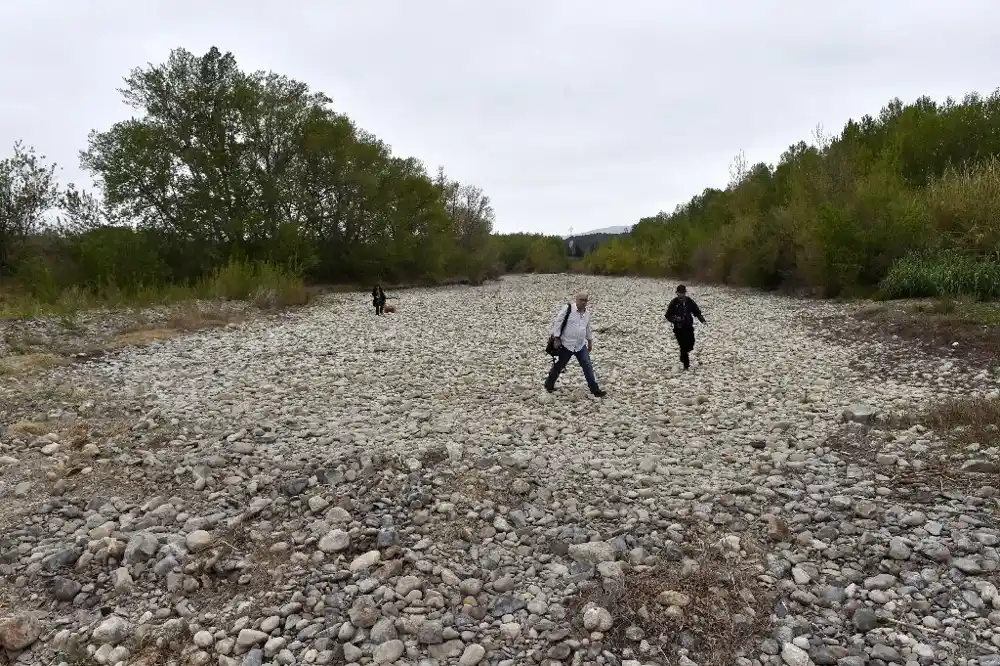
28 191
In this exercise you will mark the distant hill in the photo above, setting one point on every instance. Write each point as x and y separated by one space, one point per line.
605 230
580 244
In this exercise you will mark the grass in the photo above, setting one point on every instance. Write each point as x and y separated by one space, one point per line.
262 284
942 275
190 318
955 311
19 365
972 312
966 421
723 611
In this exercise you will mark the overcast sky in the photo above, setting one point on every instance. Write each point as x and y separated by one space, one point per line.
568 113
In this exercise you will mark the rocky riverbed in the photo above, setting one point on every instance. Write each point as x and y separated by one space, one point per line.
329 487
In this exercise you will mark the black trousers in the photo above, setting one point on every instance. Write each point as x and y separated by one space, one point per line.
379 308
685 340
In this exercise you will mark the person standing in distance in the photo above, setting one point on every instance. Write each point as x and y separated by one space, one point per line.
378 299
681 313
576 339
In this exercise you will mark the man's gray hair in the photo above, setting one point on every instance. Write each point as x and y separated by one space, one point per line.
582 293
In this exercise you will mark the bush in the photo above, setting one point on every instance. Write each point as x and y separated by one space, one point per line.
263 283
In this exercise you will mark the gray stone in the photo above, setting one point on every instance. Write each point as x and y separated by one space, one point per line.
860 413
981 466
597 619
592 552
334 542
793 655
389 652
472 655
864 620
112 631
141 548
885 653
199 540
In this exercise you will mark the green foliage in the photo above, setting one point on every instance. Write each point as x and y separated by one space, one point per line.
264 283
531 253
943 274
845 215
226 180
28 191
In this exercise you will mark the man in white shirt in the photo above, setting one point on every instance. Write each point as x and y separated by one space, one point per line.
576 339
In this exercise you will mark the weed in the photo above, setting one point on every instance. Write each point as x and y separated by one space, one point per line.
966 421
263 284
711 604
187 319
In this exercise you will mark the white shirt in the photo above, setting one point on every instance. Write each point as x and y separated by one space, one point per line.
577 333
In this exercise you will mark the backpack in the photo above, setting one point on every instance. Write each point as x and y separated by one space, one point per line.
681 316
550 348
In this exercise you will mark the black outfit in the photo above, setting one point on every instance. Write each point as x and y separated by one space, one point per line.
378 300
681 313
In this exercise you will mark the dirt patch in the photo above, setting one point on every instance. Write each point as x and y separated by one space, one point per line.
35 428
712 605
966 331
142 333
145 337
93 334
19 365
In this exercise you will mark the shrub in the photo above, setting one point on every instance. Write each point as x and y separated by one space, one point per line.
263 283
942 274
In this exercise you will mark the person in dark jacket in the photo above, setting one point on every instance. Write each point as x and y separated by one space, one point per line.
378 299
681 313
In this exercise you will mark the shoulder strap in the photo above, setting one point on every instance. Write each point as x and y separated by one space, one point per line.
569 308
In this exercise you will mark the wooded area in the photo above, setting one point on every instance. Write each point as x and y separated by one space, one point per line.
906 204
224 173
225 180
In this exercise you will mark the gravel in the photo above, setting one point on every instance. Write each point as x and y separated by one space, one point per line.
328 487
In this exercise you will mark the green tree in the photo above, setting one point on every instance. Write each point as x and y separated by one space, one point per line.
28 191
209 164
837 215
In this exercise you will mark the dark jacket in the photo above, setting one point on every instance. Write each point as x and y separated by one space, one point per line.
682 311
378 296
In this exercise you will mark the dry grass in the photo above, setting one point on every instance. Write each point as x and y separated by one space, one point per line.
966 421
723 613
29 428
189 319
940 473
28 353
937 325
20 365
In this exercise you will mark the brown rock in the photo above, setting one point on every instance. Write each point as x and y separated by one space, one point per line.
19 631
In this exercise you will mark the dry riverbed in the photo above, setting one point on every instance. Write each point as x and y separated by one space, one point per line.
328 487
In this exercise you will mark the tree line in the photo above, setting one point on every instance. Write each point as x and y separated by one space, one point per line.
222 167
903 204
254 176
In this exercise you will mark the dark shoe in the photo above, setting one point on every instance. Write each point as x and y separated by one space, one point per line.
599 393
550 389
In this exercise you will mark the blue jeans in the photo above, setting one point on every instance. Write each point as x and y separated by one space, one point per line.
583 356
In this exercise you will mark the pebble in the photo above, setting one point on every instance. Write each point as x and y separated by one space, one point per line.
281 496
